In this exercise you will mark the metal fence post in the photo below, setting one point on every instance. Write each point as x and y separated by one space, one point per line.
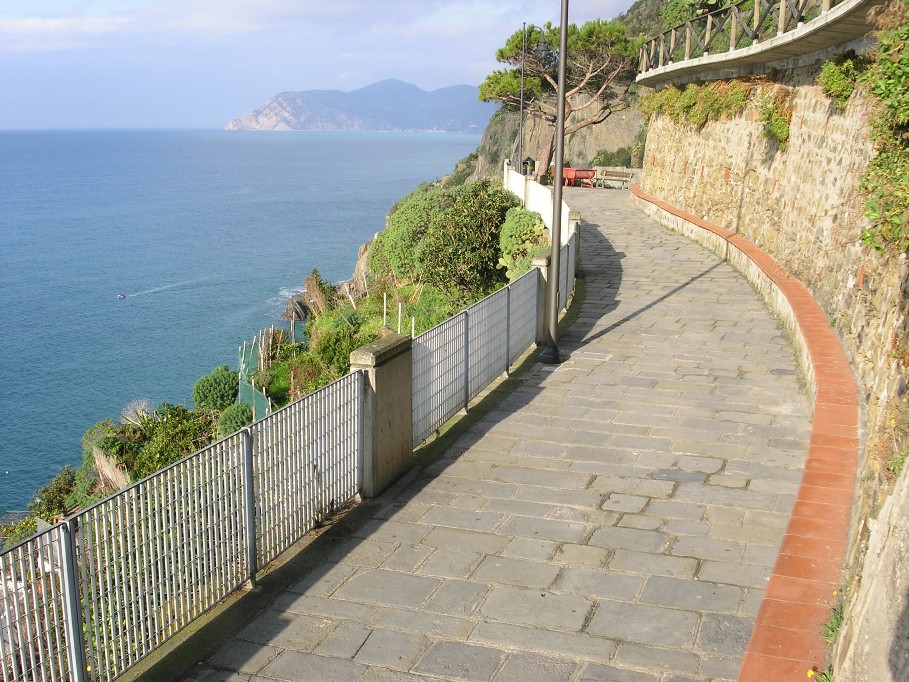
507 328
249 500
466 358
361 425
75 643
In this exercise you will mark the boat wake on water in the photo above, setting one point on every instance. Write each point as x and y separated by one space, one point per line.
123 295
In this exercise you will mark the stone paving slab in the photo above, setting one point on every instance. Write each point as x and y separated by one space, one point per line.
615 518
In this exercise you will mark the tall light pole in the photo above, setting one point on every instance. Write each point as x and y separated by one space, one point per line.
550 354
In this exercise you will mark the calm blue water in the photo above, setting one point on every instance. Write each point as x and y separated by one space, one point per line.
207 231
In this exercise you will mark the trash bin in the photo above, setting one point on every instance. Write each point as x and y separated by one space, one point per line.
528 166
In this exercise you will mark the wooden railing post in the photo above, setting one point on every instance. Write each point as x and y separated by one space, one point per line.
672 45
708 35
732 30
784 16
826 5
688 31
758 5
660 62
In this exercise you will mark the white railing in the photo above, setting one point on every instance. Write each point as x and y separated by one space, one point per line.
91 596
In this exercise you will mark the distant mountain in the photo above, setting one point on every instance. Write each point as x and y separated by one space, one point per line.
389 105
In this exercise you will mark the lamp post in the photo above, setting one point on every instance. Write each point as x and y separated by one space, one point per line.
550 355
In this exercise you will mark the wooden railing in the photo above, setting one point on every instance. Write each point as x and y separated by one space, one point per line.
737 26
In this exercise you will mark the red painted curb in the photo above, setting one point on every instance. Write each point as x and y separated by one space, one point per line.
786 641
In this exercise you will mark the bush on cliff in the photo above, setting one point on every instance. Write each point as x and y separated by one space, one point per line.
460 251
169 434
234 418
216 390
334 341
395 249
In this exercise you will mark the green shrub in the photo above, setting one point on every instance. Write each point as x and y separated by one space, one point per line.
838 78
335 345
234 418
288 351
169 434
619 157
85 490
307 374
459 253
408 221
50 500
19 531
520 240
217 390
886 180
775 111
697 103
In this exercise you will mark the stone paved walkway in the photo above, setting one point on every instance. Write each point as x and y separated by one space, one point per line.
615 518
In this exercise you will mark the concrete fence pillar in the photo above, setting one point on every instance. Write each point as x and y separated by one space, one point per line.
574 227
387 410
542 264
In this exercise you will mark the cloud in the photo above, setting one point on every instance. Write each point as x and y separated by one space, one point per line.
93 22
60 33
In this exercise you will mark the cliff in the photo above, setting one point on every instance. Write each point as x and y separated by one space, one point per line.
500 142
389 105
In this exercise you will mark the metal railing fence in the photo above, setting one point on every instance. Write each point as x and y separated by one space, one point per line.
96 593
91 596
158 554
306 462
33 633
737 26
455 360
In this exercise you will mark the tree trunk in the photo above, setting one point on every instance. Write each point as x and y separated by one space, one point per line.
546 159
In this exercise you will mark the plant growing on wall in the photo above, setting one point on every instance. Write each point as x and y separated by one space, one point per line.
838 78
775 110
886 180
697 103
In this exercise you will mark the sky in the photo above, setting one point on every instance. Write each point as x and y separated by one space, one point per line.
200 63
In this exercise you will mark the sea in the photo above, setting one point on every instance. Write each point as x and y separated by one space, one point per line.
205 232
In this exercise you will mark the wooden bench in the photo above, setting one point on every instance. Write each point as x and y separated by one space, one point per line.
606 177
